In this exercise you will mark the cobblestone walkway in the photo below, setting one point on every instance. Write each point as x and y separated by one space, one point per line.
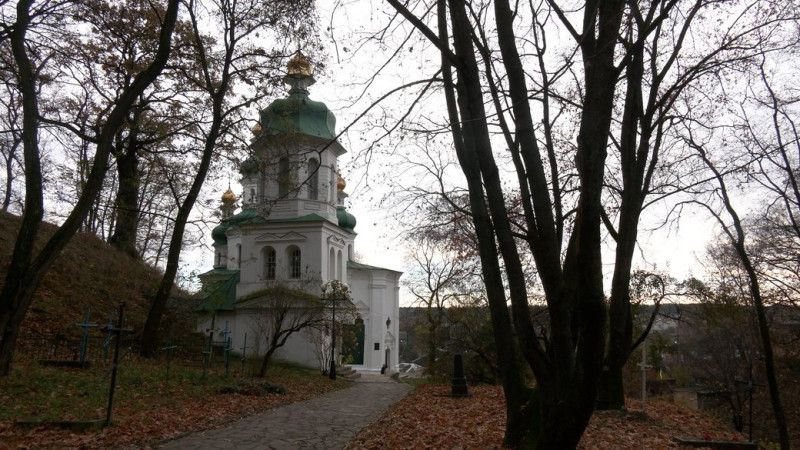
326 422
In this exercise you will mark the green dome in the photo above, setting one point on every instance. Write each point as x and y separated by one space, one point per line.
250 165
346 220
218 233
299 114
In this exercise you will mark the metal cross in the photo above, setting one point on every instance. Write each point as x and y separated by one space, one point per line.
85 335
244 352
225 332
117 331
110 337
168 348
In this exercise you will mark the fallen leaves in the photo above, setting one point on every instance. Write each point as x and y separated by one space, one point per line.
166 416
428 418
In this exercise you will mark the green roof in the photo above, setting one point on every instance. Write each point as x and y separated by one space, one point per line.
251 216
221 295
298 114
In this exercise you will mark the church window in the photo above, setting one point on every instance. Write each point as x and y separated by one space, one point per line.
313 179
284 177
295 263
331 265
339 264
270 263
239 256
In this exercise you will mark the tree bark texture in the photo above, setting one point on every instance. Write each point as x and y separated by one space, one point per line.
555 414
26 267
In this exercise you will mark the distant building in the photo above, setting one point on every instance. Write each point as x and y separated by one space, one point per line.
293 231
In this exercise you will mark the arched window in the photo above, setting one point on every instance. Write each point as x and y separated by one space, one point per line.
295 262
239 256
284 177
339 264
313 179
270 263
331 265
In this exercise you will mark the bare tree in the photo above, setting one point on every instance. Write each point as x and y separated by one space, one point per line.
543 196
237 59
434 281
278 313
27 266
734 230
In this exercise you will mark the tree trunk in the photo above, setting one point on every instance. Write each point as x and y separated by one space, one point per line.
26 271
127 202
150 338
262 372
738 242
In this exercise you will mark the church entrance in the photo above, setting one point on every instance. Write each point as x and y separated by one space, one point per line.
353 342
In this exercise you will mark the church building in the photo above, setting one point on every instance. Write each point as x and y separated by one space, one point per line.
294 232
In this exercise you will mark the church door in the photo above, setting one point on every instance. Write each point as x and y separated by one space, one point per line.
353 344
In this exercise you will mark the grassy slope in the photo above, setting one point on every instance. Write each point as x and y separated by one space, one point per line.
87 272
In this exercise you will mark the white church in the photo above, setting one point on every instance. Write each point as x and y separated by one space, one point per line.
293 231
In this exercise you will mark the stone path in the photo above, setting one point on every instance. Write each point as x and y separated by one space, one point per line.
326 422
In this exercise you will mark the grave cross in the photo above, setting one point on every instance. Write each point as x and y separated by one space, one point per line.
750 385
169 348
117 331
226 339
244 352
85 335
110 337
227 356
225 332
207 355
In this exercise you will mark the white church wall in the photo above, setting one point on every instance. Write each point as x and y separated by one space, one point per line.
379 290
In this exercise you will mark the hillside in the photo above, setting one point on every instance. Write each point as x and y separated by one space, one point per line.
87 272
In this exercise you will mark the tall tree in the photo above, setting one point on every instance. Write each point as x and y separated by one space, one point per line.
556 413
27 266
735 232
508 83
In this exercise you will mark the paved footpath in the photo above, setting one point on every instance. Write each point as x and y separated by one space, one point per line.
326 422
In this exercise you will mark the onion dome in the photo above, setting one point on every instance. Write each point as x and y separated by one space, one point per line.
298 114
299 65
250 166
228 198
346 220
340 183
218 234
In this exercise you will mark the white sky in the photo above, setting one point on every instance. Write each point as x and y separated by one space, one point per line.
674 250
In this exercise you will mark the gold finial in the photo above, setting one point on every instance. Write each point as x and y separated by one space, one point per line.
299 65
340 183
256 129
228 198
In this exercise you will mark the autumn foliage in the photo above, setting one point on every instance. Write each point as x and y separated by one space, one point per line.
429 418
